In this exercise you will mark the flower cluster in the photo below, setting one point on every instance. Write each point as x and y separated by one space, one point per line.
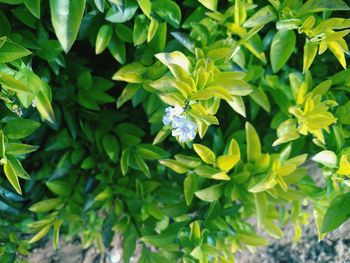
183 128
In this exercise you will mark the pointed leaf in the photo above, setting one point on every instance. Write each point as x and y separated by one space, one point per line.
20 128
12 176
282 47
66 16
210 194
253 143
44 107
204 153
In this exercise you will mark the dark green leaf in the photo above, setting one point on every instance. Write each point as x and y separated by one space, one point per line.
337 213
20 128
169 11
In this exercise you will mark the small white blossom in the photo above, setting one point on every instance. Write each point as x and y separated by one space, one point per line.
18 110
184 128
33 103
115 257
171 113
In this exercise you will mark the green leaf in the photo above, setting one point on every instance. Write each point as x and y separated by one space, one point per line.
123 32
56 233
184 40
111 147
153 27
161 241
19 148
169 11
145 6
142 165
100 4
338 51
253 143
33 6
190 187
128 92
211 173
282 47
237 104
210 4
11 2
47 205
124 161
288 24
117 49
43 105
131 73
12 176
66 16
210 194
2 144
176 58
240 12
10 51
252 239
129 243
204 153
140 30
174 165
103 38
40 234
261 17
260 97
313 6
20 128
337 213
122 13
17 166
263 182
13 84
59 188
227 162
159 39
310 51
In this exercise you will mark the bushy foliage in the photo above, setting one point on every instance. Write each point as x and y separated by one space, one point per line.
183 126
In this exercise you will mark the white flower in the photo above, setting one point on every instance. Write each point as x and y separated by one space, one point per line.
184 128
171 113
18 110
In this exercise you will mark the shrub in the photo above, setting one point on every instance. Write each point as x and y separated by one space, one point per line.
173 124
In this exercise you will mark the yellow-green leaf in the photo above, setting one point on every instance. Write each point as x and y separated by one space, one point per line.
174 165
190 187
253 143
204 153
227 162
40 234
47 205
210 194
145 6
176 58
252 239
103 38
44 107
12 176
344 166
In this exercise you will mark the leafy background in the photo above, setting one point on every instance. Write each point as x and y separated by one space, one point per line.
85 84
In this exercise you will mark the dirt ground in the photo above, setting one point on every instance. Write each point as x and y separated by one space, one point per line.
334 248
